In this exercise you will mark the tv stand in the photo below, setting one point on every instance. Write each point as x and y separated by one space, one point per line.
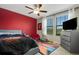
70 40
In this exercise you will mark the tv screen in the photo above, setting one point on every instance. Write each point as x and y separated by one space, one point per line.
70 24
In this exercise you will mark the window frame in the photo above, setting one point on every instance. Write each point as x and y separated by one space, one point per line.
50 26
59 25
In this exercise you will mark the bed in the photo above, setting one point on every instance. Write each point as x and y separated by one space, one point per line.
14 42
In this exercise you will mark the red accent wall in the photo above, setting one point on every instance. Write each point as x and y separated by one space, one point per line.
13 21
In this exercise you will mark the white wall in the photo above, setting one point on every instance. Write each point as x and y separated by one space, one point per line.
77 15
39 31
74 13
44 26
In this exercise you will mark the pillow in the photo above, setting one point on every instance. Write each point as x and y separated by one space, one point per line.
26 35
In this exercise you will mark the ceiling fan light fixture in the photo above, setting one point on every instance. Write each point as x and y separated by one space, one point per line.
36 12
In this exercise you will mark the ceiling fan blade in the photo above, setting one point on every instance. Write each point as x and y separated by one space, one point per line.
38 14
30 12
43 11
29 7
39 5
35 5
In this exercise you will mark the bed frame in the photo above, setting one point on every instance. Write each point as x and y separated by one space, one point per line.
11 32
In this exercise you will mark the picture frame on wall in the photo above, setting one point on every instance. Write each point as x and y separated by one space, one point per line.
39 26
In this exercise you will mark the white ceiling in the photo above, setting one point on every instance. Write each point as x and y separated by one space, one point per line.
51 8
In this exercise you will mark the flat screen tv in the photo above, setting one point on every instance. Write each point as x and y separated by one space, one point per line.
70 24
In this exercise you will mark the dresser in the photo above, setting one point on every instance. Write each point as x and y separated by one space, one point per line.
70 40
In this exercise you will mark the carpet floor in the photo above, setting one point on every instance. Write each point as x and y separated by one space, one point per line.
46 48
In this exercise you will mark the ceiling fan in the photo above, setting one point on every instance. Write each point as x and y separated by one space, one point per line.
37 9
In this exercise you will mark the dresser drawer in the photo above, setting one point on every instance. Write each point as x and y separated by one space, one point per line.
66 38
67 33
65 42
66 47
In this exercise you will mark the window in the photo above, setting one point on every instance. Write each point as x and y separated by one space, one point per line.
59 23
49 25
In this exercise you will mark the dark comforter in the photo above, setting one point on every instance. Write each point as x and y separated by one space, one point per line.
16 45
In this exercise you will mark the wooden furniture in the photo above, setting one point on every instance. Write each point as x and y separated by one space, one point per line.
70 40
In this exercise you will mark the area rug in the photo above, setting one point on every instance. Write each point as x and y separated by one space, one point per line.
46 48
